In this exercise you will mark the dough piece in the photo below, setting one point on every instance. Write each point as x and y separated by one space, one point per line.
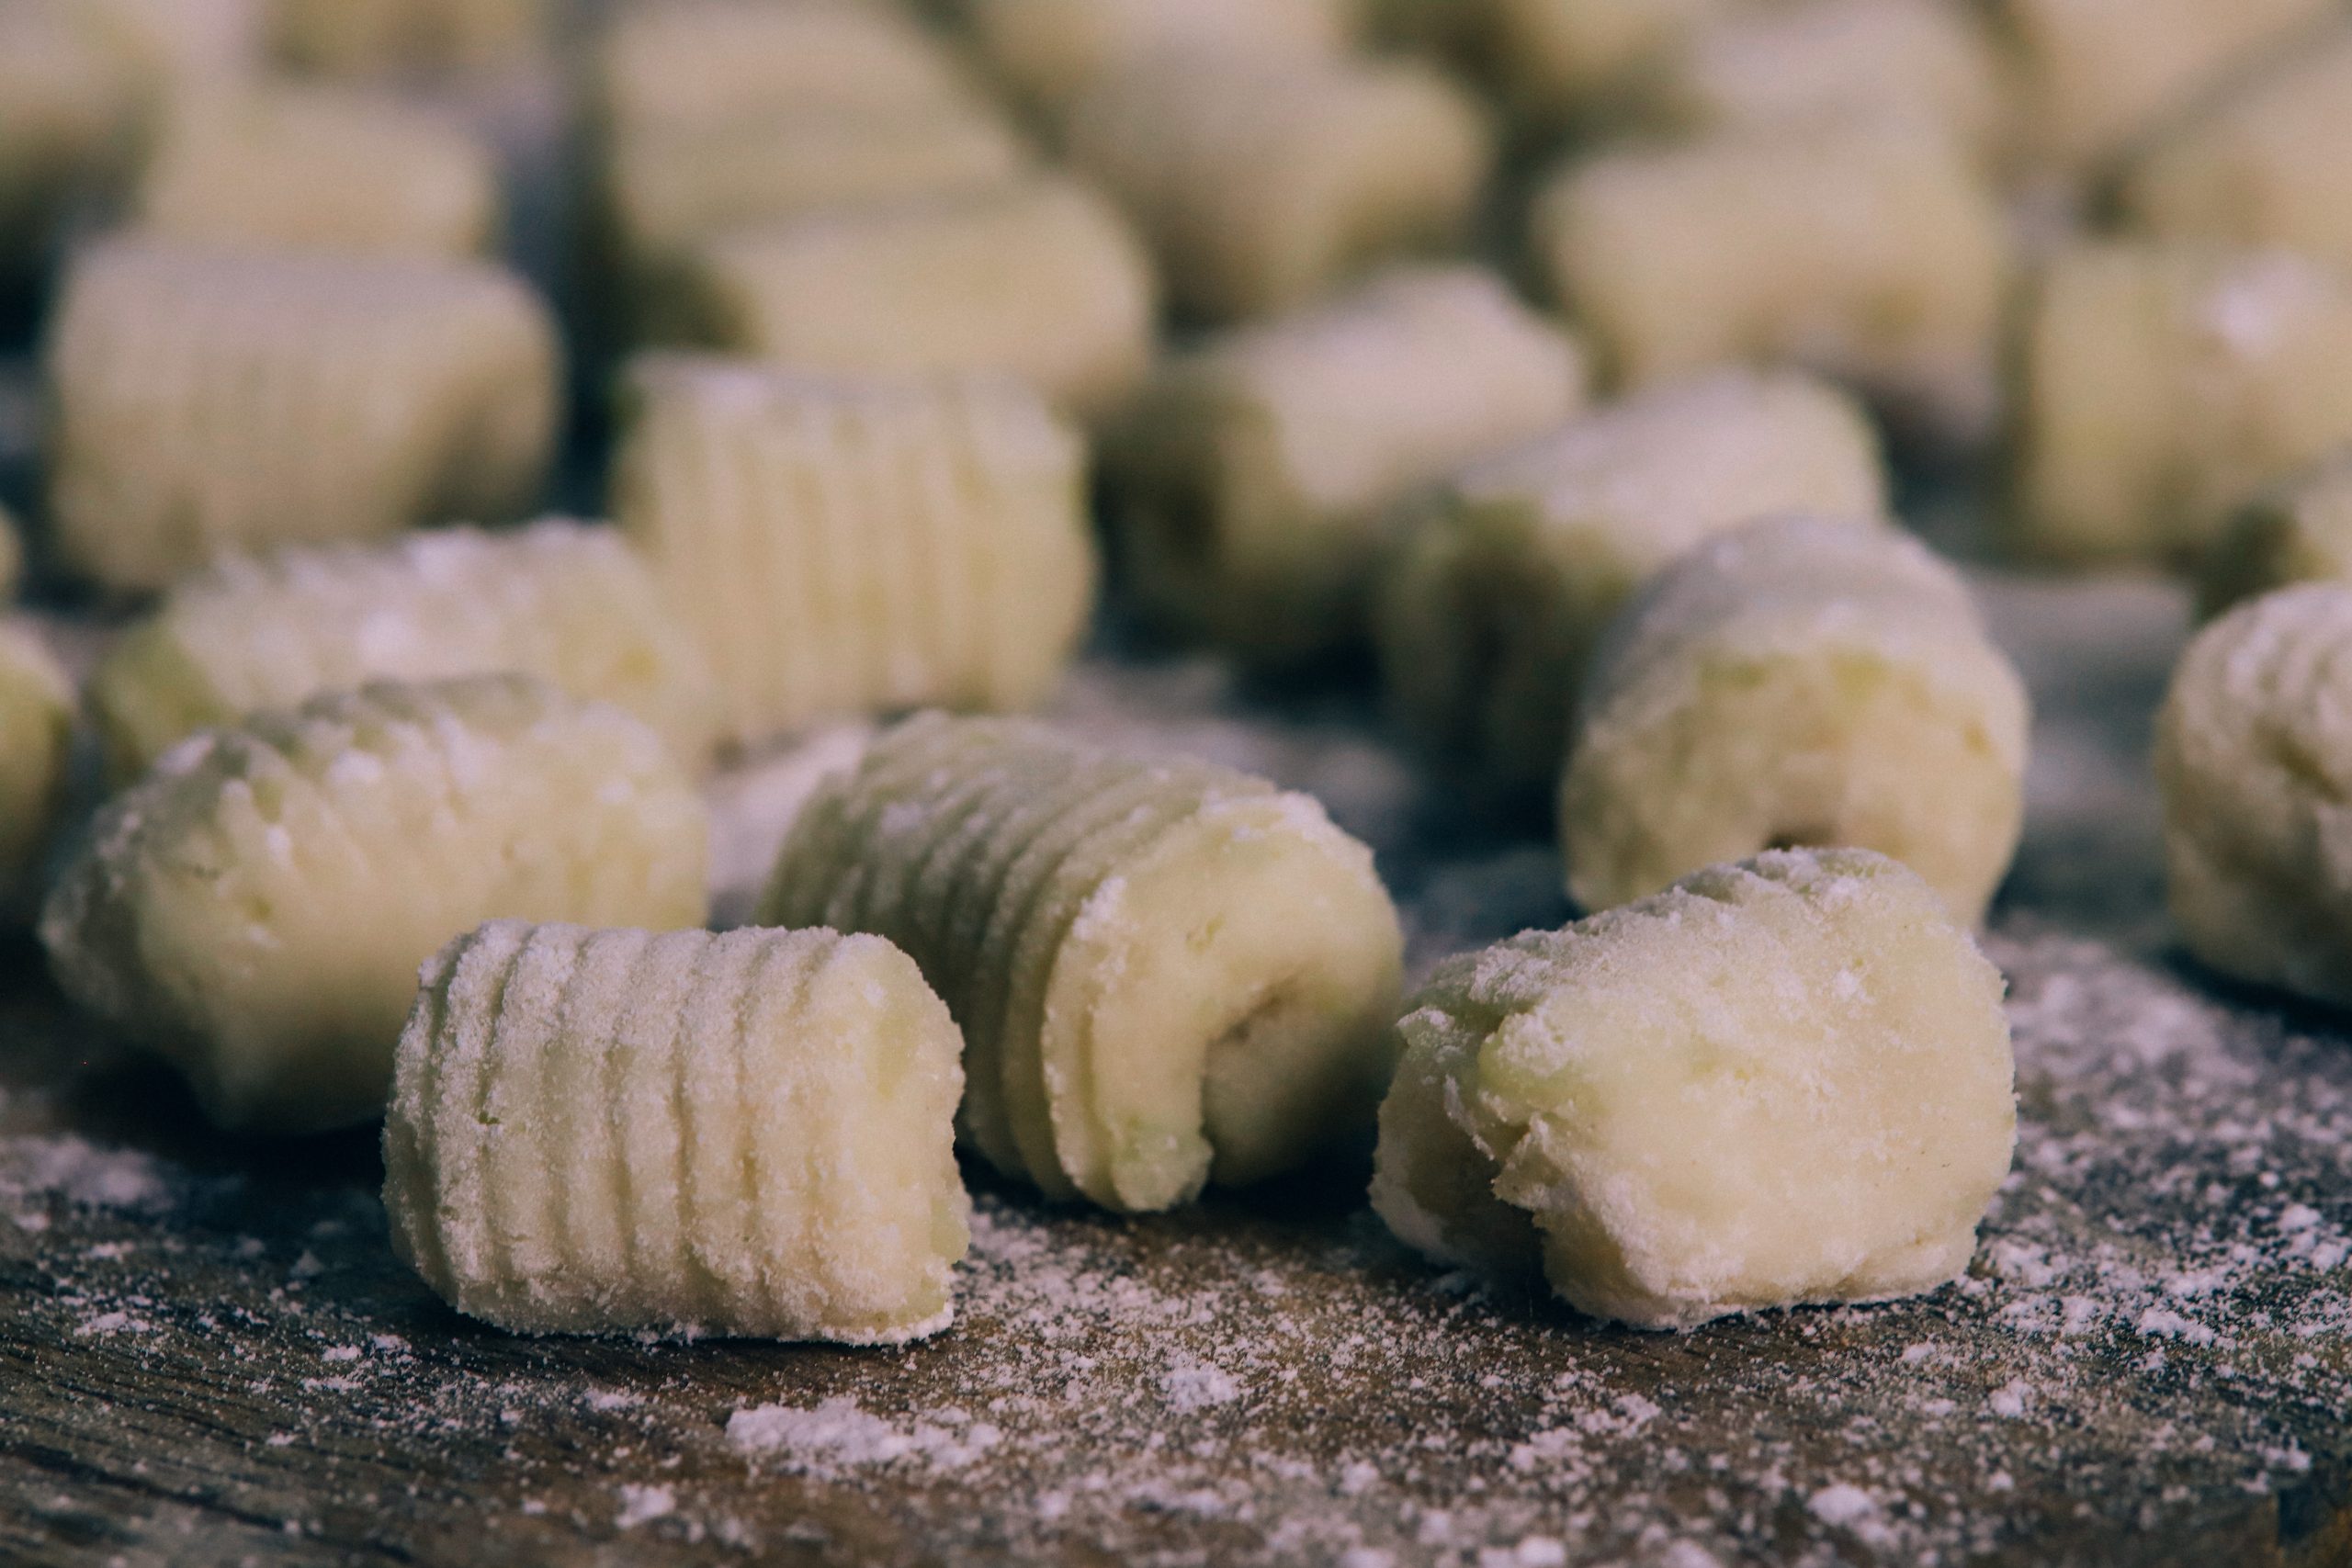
211 401
596 1131
1780 1082
2163 385
1263 183
67 112
1927 60
353 37
567 603
320 168
1166 971
1555 61
36 736
256 907
1489 608
844 547
1040 279
2270 164
2300 530
715 60
2255 767
1049 51
1800 682
1253 477
2091 77
1868 251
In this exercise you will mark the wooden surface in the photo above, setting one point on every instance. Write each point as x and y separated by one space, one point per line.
208 1355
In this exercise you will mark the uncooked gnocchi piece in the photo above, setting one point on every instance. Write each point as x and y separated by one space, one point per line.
1166 971
600 1132
2163 385
2254 760
1554 62
2270 163
715 60
1870 251
367 37
209 402
567 603
1261 183
2093 76
1802 682
1050 51
1774 1083
1488 610
843 547
1924 60
254 909
67 109
2300 530
36 735
320 168
1253 477
1039 280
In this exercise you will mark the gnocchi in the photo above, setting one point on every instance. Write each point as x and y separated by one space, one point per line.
2299 531
36 747
1048 51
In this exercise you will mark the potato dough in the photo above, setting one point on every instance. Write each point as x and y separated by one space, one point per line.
2297 532
2270 164
2255 764
2093 76
1774 1083
843 547
2164 387
1050 51
1800 682
36 735
256 907
365 36
1253 478
209 402
594 1131
1262 184
1040 279
1488 610
1868 251
565 602
1166 971
320 168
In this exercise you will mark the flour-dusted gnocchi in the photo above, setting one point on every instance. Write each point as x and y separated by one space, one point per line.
367 37
208 401
2253 762
715 60
2095 76
1261 183
1489 606
844 547
1800 682
2270 163
254 909
320 168
2299 531
1040 279
1867 250
1050 51
1778 1082
1925 59
600 1132
566 601
2163 386
1253 477
1166 971
36 735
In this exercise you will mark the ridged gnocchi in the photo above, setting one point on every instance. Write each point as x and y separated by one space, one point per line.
208 401
1253 478
566 601
1778 1082
599 1132
1166 971
254 909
